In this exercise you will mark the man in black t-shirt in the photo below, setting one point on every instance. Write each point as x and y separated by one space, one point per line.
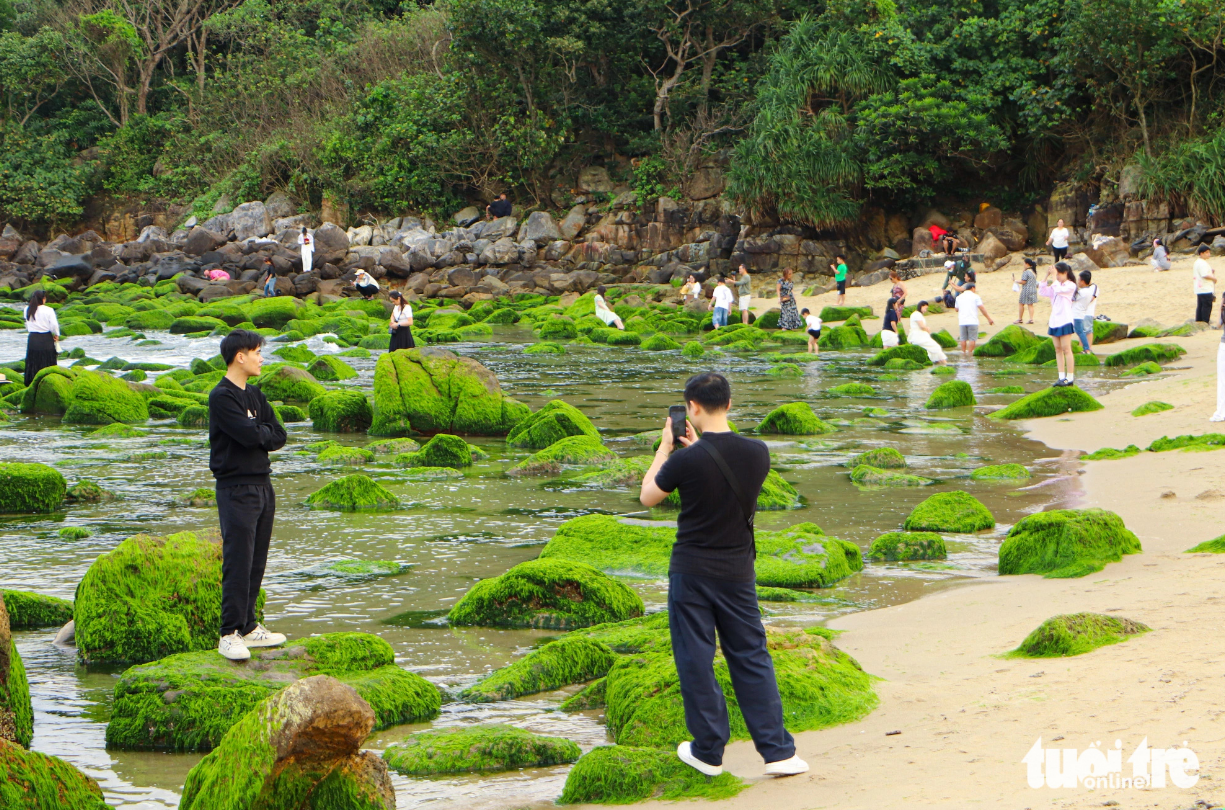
711 581
500 207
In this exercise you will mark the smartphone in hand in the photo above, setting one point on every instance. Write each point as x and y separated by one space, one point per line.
676 413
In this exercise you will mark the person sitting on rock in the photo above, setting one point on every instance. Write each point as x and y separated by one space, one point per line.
602 311
499 208
366 284
690 290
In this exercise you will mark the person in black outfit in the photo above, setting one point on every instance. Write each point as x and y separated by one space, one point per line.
400 323
242 429
712 582
42 346
500 207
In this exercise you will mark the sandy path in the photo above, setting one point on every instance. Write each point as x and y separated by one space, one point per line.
966 717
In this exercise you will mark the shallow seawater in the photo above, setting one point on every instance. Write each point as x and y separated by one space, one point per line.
452 533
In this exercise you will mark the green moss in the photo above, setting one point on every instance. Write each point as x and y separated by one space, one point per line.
118 430
30 611
1215 546
782 595
1110 453
915 354
569 660
869 476
33 781
843 313
272 312
393 447
1076 634
194 416
999 472
1143 370
785 371
571 451
547 594
1066 543
188 702
73 533
194 324
478 749
1206 441
505 315
289 414
775 494
353 493
99 399
660 343
341 411
200 497
617 337
555 420
289 384
838 338
952 394
295 354
1149 352
356 351
1154 406
896 546
956 512
343 454
331 368
1048 402
621 472
1007 342
443 450
48 391
886 458
851 389
86 491
1006 389
621 774
794 419
693 349
30 488
545 347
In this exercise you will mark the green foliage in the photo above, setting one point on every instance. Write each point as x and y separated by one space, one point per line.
39 184
1064 543
1076 634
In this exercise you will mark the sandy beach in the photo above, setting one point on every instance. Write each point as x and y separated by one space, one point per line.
955 719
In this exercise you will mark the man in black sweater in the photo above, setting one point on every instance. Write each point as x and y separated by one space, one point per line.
242 429
711 581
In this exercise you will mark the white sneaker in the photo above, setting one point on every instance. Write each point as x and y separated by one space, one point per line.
787 767
683 751
233 648
1217 417
262 637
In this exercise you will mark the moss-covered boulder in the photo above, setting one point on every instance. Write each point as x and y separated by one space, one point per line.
545 347
1010 340
86 491
331 368
1154 406
341 411
952 394
99 399
869 476
1065 543
443 450
200 497
775 493
118 430
1145 369
885 458
851 389
16 711
353 493
393 447
31 611
297 353
339 454
547 594
272 313
843 313
621 472
48 392
915 354
555 421
1214 546
1048 402
1111 453
1076 634
660 343
569 660
193 324
693 349
30 488
901 546
956 512
150 597
794 419
289 384
572 451
1148 353
621 774
838 338
193 416
33 781
188 702
478 749
300 749
1000 472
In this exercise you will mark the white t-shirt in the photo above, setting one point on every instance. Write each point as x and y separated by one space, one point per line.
967 308
813 322
917 322
1199 271
723 297
404 313
1085 302
1059 237
44 320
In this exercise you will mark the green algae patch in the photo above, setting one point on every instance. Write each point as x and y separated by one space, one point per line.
886 458
554 421
568 660
794 419
31 611
900 364
49 391
295 354
353 493
952 394
33 781
1215 546
1149 352
915 354
833 313
572 451
289 384
1006 389
1206 441
203 496
955 512
344 455
903 546
443 450
547 594
85 491
1155 406
851 389
622 472
100 399
766 594
478 749
73 533
1065 543
775 493
693 349
620 774
194 416
30 488
1143 370
1000 472
118 430
330 368
1076 634
1011 340
659 343
545 347
188 702
393 447
869 476
1048 402
1111 453
785 371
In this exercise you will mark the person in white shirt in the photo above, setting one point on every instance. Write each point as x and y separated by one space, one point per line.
1084 304
308 249
920 335
401 323
42 346
1058 240
1205 284
968 305
366 284
602 311
690 290
722 303
812 323
1161 257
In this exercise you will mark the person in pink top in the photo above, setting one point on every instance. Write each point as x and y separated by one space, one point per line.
1061 327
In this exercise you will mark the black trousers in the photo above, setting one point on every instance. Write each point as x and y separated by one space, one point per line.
245 512
1060 253
1203 307
367 290
698 607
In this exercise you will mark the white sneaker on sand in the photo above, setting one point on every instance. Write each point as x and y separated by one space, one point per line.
683 751
233 648
262 637
787 767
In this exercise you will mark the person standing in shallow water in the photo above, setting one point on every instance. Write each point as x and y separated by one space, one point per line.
744 293
712 583
42 345
242 430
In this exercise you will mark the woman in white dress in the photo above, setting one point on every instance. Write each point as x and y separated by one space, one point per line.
308 249
920 335
603 312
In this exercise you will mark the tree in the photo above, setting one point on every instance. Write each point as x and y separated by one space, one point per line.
31 72
103 50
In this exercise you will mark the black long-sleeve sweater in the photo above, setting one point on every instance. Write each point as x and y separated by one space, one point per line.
242 430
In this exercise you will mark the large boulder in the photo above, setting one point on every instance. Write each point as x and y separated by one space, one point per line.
572 451
250 220
574 222
342 411
1065 543
555 421
433 390
33 781
1076 634
188 702
33 611
1048 402
100 399
289 384
478 749
330 239
279 205
540 228
794 419
957 512
1109 251
353 493
952 394
16 711
300 748
622 774
30 488
1008 341
201 240
48 392
991 247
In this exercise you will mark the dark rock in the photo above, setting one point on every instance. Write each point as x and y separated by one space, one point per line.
329 272
303 284
100 276
27 253
331 238
201 241
66 266
461 277
65 244
101 258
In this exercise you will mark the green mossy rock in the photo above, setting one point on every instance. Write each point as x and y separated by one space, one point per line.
902 546
289 414
942 371
952 394
30 488
191 325
620 774
33 781
73 533
200 497
1076 634
547 594
393 447
100 399
433 390
869 476
272 313
293 354
785 371
1048 402
557 328
118 430
344 455
843 313
838 338
505 315
660 343
1000 472
208 694
16 711
1111 454
944 340
330 368
31 611
353 493
154 319
617 337
693 349
1010 340
226 311
545 347
1215 546
1149 352
775 494
794 419
444 450
86 491
1155 406
1206 441
478 749
150 597
1143 370
1006 389
886 458
554 421
194 416
900 364
569 660
289 384
1065 543
622 472
341 411
572 451
956 512
915 354
851 389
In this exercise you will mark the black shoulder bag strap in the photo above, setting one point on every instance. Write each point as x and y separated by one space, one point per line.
749 508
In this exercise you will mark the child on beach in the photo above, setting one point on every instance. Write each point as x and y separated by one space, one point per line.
813 324
1083 306
722 303
968 305
1028 288
839 268
1060 326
